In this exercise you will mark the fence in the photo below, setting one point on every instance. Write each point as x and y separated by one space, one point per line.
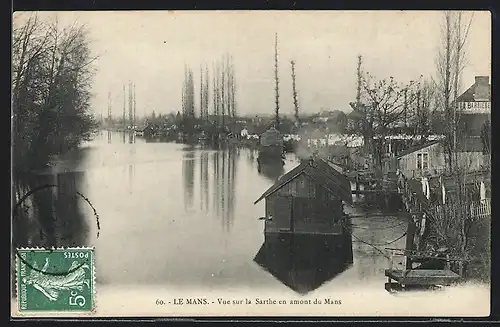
482 209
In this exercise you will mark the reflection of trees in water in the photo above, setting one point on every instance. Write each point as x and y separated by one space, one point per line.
124 137
52 216
221 181
131 138
251 155
188 167
204 184
224 187
109 136
131 168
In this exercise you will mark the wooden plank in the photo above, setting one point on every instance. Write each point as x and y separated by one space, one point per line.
422 277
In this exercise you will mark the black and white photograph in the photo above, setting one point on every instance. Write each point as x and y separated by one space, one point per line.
251 163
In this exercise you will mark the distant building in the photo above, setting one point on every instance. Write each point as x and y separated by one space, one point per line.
474 107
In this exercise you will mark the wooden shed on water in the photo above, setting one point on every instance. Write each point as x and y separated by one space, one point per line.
308 200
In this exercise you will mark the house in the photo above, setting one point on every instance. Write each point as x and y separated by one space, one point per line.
474 107
271 147
307 200
429 158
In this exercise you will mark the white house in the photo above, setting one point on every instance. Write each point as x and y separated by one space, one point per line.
429 158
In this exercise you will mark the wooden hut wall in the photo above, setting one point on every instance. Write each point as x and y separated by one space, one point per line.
279 207
301 186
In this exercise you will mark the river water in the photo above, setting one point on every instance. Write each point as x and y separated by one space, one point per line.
177 220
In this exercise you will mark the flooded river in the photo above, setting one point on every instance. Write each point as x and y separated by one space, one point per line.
176 219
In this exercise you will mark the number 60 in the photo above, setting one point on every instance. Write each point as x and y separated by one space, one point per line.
76 300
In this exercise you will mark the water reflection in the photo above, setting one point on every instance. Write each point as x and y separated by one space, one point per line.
271 171
204 184
302 262
188 166
252 154
131 138
109 136
216 182
52 216
225 173
131 166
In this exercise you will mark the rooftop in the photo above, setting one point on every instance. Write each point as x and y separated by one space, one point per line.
321 172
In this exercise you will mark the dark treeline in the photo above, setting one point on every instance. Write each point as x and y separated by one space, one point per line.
51 79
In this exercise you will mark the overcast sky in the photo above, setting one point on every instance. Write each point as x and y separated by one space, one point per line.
151 48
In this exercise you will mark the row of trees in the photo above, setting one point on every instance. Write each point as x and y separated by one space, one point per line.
51 80
223 92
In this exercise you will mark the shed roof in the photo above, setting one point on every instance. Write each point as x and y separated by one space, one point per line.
467 144
320 171
417 148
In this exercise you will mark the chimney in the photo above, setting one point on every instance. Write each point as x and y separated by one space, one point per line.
482 80
482 88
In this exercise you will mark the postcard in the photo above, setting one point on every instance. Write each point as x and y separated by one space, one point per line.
251 163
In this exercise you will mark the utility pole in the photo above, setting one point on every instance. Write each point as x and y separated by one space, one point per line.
130 103
202 90
109 107
124 121
277 81
134 106
295 101
358 91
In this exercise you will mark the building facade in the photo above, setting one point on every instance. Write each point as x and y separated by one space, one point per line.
429 159
474 107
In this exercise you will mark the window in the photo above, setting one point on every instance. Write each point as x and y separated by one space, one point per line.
425 160
422 161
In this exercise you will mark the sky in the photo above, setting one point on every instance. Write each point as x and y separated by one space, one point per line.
152 47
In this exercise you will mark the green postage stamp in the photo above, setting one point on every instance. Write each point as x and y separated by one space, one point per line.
57 280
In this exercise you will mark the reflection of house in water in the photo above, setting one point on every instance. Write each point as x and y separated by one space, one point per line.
271 171
302 262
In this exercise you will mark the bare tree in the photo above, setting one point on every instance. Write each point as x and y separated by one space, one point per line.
206 92
380 110
420 113
294 93
276 80
233 89
202 95
450 62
